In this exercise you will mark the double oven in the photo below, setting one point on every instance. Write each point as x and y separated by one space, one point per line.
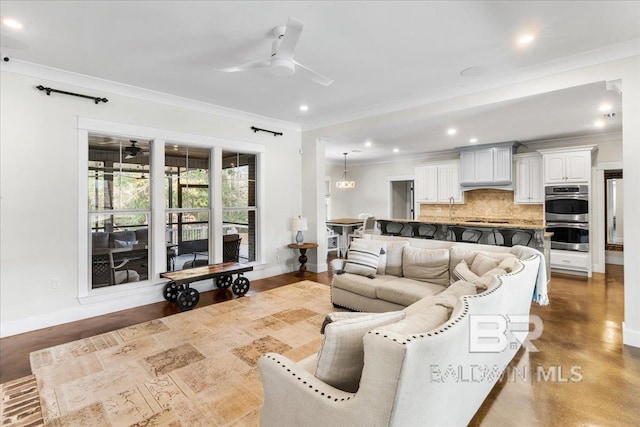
567 216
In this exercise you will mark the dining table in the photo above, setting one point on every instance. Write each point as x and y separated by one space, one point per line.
345 226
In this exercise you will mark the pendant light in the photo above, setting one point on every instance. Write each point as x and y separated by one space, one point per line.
345 182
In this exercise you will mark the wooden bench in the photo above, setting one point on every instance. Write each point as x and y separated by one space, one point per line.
178 290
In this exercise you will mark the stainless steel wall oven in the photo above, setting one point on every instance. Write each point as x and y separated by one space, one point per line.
567 216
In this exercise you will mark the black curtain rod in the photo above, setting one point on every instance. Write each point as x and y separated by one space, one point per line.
96 99
255 129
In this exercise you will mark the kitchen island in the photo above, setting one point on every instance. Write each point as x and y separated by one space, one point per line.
500 231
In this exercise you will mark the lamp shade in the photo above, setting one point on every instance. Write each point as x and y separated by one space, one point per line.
299 224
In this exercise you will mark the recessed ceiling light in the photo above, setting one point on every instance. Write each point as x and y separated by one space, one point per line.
605 107
304 108
599 123
451 131
473 140
12 23
396 150
368 143
526 39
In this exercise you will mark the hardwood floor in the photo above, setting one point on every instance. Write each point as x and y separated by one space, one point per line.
14 350
581 375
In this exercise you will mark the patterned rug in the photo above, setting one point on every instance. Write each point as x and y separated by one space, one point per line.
20 405
196 368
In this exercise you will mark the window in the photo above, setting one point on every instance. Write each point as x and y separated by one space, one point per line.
239 200
119 210
188 208
150 205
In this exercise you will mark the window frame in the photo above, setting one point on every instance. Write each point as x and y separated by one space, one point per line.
149 290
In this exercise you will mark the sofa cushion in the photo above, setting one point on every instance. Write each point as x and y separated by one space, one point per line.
406 291
363 260
373 244
510 264
429 265
337 316
394 257
341 357
449 297
423 321
482 263
360 285
462 272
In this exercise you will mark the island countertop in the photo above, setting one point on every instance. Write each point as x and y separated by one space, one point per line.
477 222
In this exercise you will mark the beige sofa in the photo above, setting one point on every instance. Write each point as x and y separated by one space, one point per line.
407 271
414 366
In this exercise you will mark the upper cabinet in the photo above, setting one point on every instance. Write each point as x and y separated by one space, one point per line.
529 186
567 166
437 183
487 165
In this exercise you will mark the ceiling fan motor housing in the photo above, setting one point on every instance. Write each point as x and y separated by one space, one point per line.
282 67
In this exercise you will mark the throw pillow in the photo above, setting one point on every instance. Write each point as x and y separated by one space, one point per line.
362 260
426 265
487 281
373 244
462 272
510 264
125 243
337 316
482 263
341 357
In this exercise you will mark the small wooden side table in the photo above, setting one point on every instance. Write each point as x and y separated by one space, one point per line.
302 272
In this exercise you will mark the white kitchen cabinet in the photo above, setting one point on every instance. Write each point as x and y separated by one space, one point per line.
567 167
529 184
437 182
487 166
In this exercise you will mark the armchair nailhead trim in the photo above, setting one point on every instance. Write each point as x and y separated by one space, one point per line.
305 382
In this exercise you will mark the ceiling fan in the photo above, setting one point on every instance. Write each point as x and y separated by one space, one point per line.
133 150
281 62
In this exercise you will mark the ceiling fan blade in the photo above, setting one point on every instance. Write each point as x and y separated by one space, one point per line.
263 63
316 77
290 38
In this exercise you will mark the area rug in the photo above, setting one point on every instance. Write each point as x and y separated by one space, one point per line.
20 404
196 368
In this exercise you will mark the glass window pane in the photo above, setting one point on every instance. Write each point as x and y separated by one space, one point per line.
118 175
187 235
186 177
242 222
238 179
119 249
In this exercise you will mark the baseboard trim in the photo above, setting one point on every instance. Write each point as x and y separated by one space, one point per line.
94 309
630 337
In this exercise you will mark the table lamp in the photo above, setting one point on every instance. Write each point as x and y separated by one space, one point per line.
299 224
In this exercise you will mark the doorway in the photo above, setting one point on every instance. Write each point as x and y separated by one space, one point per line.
401 204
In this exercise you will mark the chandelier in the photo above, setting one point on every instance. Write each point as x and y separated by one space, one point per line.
345 182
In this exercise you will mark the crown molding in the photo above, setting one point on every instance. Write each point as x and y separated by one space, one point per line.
594 57
94 83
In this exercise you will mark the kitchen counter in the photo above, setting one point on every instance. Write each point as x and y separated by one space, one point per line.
477 222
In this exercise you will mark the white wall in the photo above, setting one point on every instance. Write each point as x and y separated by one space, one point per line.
39 193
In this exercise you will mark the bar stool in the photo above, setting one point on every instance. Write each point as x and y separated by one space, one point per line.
509 235
390 228
430 233
473 235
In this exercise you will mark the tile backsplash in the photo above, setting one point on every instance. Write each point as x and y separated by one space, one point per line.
486 204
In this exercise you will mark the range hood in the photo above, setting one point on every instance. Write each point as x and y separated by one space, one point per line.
487 166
